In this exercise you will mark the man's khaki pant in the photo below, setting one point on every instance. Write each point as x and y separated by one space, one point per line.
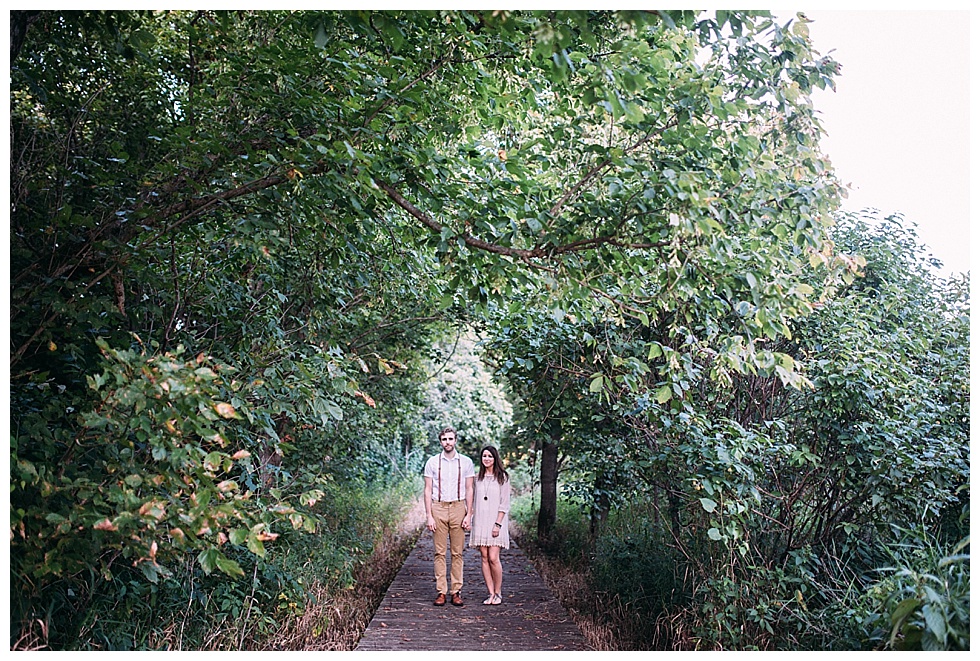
449 521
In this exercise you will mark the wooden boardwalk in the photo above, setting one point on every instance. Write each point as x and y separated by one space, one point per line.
530 617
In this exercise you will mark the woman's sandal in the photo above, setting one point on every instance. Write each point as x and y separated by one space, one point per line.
495 599
489 600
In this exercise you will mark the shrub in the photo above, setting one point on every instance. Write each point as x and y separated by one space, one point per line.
631 561
923 602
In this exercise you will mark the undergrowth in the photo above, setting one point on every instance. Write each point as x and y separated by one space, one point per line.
311 591
615 587
627 590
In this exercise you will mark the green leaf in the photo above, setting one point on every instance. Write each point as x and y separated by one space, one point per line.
212 461
228 566
255 545
208 559
320 39
935 621
635 113
708 504
333 409
151 571
663 394
903 610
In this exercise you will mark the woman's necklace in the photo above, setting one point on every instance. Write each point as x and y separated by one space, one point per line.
486 487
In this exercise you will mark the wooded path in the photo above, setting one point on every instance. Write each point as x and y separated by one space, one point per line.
530 617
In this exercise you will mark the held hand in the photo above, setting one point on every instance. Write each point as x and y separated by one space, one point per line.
466 522
430 523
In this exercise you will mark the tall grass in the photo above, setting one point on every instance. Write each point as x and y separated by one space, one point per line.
922 601
628 590
616 585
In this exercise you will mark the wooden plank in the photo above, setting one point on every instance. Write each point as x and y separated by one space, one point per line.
530 617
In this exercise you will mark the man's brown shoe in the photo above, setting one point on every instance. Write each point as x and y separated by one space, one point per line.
457 599
440 600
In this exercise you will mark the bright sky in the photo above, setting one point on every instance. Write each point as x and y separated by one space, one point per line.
899 124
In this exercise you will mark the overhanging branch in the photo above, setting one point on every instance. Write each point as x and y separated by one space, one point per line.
472 241
526 254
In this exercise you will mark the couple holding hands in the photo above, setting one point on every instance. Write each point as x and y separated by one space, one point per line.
457 499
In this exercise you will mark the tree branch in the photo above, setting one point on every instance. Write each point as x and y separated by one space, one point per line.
472 241
594 172
524 254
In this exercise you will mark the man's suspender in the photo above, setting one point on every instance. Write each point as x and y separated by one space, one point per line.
459 478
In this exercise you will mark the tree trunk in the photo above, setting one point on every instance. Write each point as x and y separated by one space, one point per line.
20 22
548 514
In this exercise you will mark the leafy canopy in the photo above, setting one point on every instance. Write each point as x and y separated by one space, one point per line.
297 198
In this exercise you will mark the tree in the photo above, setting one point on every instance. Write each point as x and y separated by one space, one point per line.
760 490
247 218
684 142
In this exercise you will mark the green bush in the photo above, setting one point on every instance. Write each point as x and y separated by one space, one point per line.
631 561
774 608
572 546
923 602
192 610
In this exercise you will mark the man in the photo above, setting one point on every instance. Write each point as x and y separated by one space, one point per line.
448 499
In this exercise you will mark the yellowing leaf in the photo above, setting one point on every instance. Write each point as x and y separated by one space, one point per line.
212 461
153 508
367 398
225 410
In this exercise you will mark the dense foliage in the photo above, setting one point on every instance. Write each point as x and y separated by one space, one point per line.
245 245
834 516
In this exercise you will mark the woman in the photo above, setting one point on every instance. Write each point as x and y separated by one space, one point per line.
491 502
